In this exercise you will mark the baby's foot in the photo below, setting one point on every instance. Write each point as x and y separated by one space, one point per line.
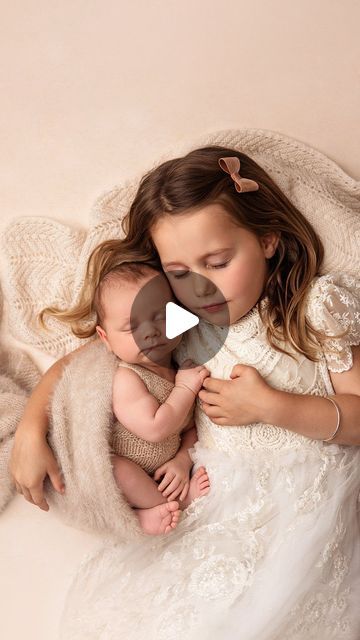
199 486
160 519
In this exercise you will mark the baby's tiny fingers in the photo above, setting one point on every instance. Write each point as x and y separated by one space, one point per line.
172 486
165 481
174 495
185 491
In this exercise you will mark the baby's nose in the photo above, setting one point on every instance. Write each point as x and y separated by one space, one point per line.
150 330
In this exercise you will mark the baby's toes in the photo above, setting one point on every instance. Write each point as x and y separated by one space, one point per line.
175 515
172 506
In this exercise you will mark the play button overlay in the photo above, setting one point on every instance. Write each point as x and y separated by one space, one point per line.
172 314
178 320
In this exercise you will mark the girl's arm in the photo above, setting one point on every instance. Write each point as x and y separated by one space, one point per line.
247 398
31 456
142 414
312 415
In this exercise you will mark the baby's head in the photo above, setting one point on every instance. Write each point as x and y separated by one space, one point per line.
130 304
123 299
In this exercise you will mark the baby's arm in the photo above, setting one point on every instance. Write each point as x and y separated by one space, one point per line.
31 457
141 413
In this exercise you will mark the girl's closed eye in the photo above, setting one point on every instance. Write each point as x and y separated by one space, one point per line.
219 266
211 266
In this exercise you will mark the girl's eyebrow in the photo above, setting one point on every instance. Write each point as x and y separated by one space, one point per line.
212 253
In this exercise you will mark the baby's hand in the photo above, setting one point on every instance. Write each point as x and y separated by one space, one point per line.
176 479
191 376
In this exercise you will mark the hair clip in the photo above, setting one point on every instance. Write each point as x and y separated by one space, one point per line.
231 165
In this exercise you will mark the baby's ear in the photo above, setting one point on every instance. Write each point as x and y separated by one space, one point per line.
102 335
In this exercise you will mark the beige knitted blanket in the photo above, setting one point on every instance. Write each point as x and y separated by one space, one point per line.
81 419
18 376
44 260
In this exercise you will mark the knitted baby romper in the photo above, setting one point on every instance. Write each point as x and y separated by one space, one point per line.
148 455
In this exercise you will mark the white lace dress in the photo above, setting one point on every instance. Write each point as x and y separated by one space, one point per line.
273 552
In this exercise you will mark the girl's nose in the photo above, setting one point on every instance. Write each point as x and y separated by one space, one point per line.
202 286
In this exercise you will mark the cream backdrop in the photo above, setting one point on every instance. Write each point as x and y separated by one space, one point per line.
95 92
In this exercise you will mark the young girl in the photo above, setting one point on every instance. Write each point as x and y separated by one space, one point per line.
152 402
272 553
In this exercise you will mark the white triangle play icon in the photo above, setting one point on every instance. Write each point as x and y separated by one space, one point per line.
178 320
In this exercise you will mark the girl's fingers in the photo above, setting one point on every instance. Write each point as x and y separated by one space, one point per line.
209 397
172 486
57 483
166 480
212 411
37 495
27 495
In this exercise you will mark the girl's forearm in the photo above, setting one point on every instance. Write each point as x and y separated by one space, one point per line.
314 416
35 416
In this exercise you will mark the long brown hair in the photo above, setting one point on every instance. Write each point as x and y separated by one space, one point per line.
196 180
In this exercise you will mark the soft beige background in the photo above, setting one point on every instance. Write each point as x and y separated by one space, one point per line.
94 92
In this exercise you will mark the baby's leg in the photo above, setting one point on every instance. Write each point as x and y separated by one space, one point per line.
155 514
138 487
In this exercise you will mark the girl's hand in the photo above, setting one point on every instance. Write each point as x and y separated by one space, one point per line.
191 376
240 401
176 478
31 459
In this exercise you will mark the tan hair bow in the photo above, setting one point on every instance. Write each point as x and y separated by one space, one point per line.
231 165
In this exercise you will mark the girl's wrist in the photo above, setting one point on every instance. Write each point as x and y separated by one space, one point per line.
268 405
31 429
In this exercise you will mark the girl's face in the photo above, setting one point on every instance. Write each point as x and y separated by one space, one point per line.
231 260
134 323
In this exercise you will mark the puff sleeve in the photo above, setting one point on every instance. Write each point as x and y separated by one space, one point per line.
334 305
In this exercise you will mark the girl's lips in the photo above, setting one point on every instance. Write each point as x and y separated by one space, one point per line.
214 307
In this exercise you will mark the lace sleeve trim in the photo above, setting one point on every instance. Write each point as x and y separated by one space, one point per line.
333 306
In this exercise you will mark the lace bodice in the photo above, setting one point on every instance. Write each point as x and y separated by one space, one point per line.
333 304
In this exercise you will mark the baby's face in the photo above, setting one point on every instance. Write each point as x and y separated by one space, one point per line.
133 322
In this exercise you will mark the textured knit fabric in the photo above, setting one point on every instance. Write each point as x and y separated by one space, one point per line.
80 425
149 455
18 376
45 260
